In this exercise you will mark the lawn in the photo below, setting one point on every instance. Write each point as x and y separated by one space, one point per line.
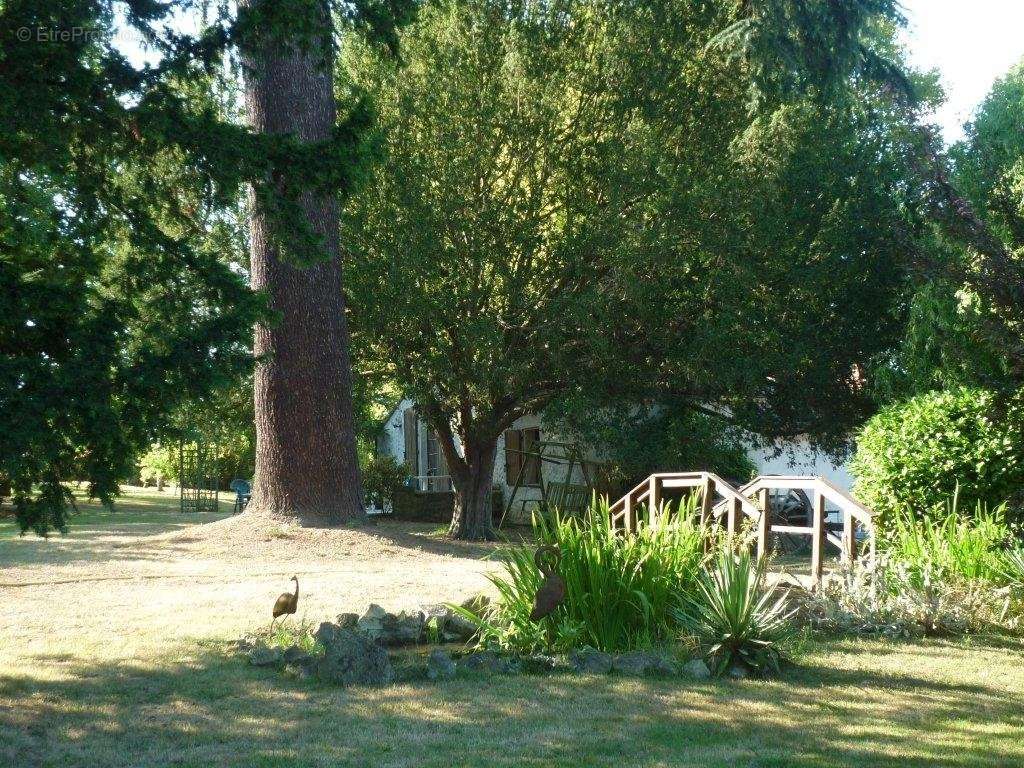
114 652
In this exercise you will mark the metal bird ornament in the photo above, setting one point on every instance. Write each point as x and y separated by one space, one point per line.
287 603
552 590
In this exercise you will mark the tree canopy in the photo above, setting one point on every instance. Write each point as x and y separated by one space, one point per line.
575 201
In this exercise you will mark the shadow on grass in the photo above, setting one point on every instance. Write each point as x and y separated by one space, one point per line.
208 709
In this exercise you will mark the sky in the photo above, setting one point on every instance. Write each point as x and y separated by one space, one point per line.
971 43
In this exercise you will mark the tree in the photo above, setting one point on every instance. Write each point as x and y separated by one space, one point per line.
565 208
306 462
122 295
116 303
805 47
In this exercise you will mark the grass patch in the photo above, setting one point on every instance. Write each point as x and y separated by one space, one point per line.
145 507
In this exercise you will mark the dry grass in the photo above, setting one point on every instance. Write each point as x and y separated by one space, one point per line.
113 653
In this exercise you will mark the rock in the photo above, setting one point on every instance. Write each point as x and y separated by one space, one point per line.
739 672
293 654
440 665
634 663
540 663
389 628
491 662
483 661
351 657
458 627
264 656
435 611
348 620
590 661
663 666
697 669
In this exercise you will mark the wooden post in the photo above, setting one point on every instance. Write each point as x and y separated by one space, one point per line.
707 502
735 512
627 512
849 538
764 525
818 540
653 499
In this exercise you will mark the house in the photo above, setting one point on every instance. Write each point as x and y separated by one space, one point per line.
522 477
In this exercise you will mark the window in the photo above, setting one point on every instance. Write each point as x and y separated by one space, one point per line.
522 463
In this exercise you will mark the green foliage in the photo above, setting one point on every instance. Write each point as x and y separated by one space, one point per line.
897 599
1012 567
989 161
158 465
737 616
637 442
564 210
620 590
916 455
935 574
951 546
382 476
287 633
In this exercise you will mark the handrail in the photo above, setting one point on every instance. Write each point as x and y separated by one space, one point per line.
735 502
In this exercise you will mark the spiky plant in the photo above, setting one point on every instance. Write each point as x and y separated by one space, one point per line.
736 616
620 590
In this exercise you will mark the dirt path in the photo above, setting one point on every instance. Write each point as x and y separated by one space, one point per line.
120 594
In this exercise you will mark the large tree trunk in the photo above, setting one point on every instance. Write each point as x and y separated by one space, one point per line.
473 479
306 462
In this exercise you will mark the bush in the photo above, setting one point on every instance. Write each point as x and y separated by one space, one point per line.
917 454
737 617
621 591
946 574
382 477
895 599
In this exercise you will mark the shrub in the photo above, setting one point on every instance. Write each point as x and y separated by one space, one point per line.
915 454
1011 566
897 600
737 617
620 590
382 477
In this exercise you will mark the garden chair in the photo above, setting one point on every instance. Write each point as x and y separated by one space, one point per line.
243 492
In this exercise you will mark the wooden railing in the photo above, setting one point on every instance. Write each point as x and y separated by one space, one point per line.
753 501
627 512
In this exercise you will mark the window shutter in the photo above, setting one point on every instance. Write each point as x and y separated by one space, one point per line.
412 456
513 457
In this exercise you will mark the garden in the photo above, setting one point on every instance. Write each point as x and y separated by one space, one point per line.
505 383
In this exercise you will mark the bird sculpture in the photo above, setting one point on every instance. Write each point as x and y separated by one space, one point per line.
286 603
552 590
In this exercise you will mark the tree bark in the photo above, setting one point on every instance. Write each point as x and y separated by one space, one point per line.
473 480
306 463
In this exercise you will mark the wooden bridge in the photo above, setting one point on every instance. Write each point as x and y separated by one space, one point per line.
751 504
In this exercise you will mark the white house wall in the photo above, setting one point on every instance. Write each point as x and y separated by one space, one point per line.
796 458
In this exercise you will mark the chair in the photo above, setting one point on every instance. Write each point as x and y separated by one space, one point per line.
243 492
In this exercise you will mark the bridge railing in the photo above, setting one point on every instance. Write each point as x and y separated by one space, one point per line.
753 502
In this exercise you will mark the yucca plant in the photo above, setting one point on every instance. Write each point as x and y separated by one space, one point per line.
620 590
736 616
1011 566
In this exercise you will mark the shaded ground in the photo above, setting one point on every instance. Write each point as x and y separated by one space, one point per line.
113 653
